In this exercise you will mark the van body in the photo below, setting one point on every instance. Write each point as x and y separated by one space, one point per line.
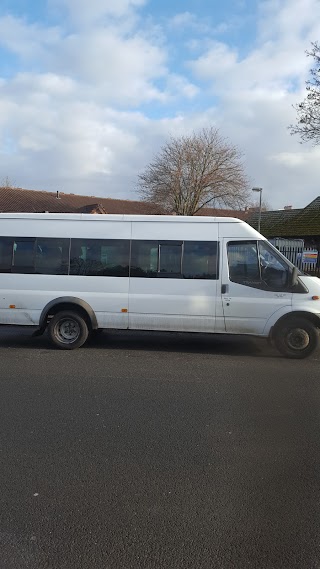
192 274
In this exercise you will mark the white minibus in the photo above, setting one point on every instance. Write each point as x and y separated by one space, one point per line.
73 274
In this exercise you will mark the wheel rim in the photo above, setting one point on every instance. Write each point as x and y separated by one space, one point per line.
298 339
67 330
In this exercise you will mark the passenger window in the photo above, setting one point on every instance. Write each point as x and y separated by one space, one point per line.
144 259
99 257
200 260
6 249
174 259
274 269
52 256
30 255
23 255
243 263
256 264
156 259
170 259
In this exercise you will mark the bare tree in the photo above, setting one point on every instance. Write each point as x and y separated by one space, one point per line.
6 183
255 205
191 172
308 127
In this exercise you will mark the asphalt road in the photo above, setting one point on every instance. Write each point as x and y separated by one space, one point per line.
157 451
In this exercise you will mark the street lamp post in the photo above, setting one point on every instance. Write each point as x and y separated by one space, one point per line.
259 219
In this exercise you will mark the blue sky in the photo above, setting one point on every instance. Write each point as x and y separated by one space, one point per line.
89 91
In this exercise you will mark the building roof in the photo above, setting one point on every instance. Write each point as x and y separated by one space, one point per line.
307 220
35 201
289 222
272 220
217 212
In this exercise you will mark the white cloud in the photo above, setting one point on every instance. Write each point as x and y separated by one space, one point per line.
179 85
296 160
216 62
106 61
288 20
187 21
182 20
291 159
286 29
27 40
84 12
117 68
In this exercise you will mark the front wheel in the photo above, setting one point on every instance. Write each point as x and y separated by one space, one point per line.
296 338
68 330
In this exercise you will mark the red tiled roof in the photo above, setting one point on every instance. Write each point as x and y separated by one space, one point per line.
20 200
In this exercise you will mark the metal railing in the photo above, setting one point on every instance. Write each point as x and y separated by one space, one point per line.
307 259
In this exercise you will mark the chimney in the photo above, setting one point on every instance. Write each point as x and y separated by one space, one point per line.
286 207
58 197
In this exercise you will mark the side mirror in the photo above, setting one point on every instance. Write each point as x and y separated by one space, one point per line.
294 276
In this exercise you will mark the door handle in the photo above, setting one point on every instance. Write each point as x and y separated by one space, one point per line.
224 288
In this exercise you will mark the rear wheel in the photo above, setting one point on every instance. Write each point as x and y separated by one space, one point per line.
296 338
68 330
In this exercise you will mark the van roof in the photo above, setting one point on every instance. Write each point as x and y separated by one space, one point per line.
120 217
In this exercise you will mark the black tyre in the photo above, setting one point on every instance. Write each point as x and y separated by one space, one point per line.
296 338
68 330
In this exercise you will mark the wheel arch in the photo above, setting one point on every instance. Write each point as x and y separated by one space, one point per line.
68 303
310 316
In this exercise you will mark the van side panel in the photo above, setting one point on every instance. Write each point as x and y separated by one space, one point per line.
30 294
173 303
